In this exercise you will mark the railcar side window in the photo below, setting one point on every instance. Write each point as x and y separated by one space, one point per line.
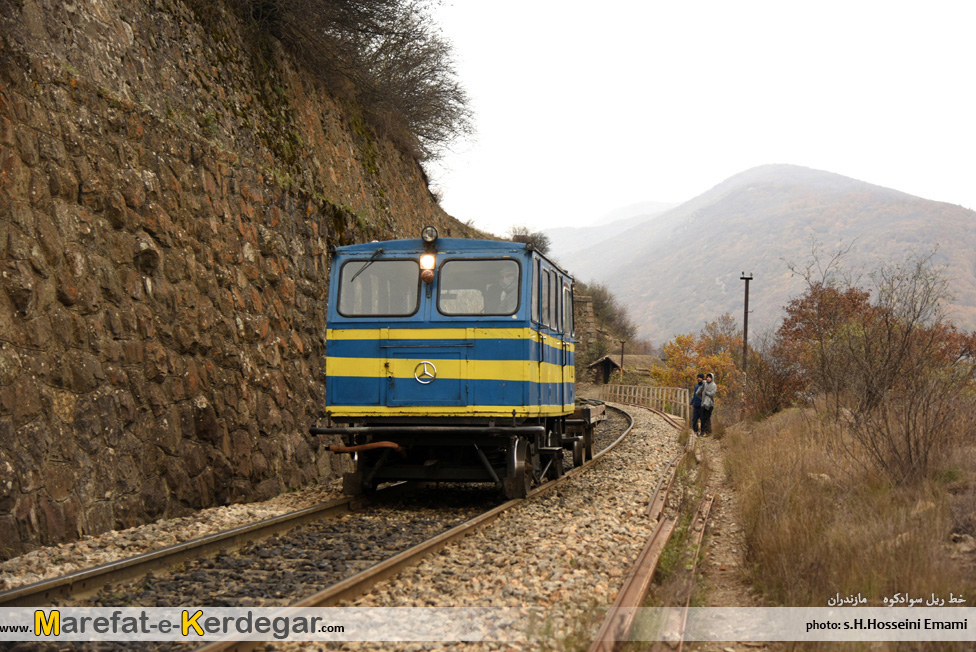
379 288
535 291
568 308
554 302
479 287
545 297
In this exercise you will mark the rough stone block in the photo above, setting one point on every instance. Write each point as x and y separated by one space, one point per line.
157 362
10 363
206 425
194 457
132 189
75 523
133 352
68 292
98 517
85 371
21 399
206 488
10 538
59 479
180 482
128 511
259 466
48 237
156 398
52 524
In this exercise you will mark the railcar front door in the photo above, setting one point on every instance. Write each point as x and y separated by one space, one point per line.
420 375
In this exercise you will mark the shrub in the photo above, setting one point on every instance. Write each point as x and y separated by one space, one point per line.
387 56
521 233
894 374
908 400
609 313
774 382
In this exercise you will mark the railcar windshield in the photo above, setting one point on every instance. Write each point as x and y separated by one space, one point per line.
379 288
479 287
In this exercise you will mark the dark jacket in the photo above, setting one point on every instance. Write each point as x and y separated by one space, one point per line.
696 395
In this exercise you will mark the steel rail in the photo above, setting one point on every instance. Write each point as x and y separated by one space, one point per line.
619 620
701 519
86 582
664 415
676 622
656 507
360 583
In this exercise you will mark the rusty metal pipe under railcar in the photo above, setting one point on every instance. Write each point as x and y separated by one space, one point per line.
366 447
428 430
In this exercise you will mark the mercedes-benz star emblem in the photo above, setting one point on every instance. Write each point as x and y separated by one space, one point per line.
425 372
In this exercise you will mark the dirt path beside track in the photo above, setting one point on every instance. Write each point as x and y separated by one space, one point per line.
725 583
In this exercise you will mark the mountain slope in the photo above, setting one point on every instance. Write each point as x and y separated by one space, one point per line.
565 241
682 268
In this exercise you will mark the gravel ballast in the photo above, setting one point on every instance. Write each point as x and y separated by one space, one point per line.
567 551
91 551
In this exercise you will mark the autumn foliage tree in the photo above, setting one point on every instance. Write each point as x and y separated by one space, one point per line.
810 330
895 377
717 348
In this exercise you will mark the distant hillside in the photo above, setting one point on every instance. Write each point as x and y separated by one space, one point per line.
565 241
681 269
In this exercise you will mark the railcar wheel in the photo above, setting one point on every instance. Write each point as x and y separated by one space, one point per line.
588 442
578 452
518 476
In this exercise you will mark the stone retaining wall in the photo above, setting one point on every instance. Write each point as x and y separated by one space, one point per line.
167 197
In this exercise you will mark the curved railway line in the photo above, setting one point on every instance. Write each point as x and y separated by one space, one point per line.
285 561
198 555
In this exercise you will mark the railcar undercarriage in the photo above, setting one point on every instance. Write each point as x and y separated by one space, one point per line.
513 457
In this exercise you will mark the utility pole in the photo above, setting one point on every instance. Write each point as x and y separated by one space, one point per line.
622 342
745 324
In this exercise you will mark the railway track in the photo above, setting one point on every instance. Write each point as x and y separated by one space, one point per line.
563 569
276 548
84 583
200 560
620 618
361 582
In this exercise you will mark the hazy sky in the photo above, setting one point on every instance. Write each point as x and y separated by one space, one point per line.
584 107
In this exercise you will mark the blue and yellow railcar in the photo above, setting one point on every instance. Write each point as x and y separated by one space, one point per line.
449 359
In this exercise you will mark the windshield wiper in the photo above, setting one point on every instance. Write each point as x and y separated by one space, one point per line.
368 263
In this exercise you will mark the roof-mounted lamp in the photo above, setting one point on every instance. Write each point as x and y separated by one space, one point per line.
429 235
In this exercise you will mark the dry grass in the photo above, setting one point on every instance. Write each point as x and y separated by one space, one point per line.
819 524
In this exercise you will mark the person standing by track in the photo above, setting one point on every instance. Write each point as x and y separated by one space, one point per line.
708 392
696 401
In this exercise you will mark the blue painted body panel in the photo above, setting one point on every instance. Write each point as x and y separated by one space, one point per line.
487 365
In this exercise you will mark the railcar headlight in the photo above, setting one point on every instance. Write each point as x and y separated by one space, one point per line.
429 235
427 262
